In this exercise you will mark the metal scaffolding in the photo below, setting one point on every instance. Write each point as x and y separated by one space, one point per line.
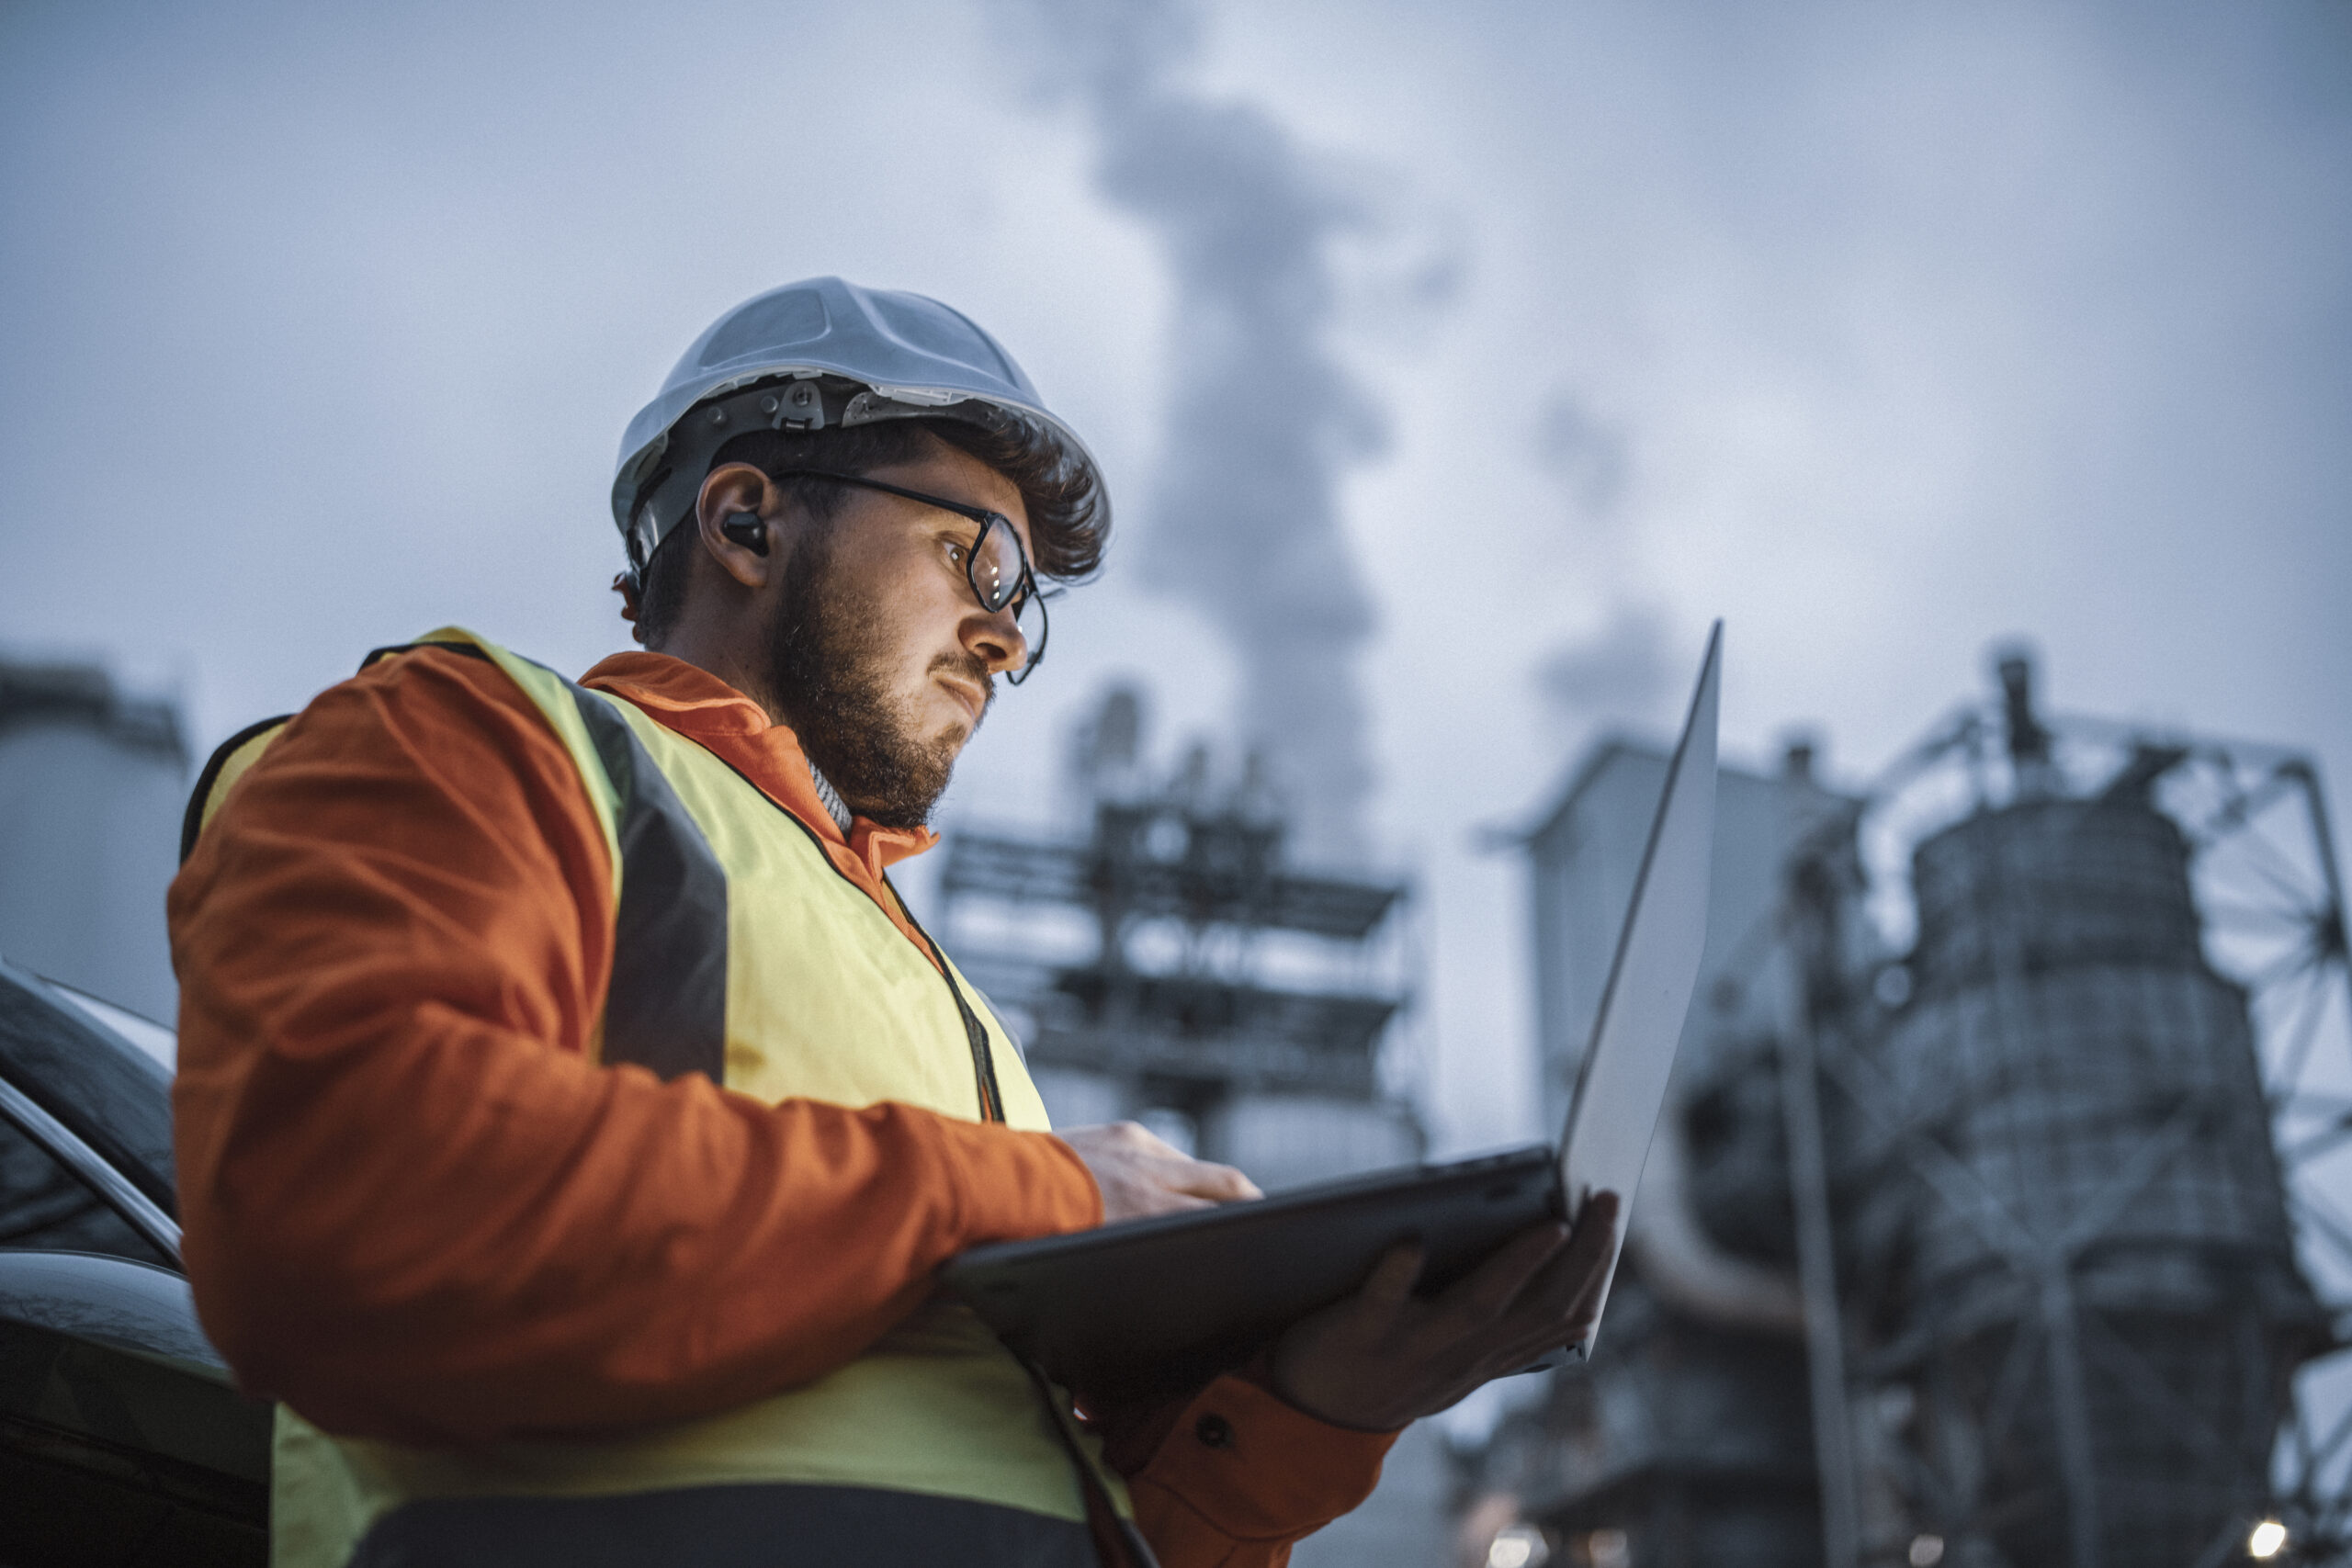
1175 962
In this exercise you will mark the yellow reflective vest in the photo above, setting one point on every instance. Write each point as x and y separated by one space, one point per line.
741 952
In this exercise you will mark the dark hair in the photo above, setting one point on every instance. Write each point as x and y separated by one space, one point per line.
1069 515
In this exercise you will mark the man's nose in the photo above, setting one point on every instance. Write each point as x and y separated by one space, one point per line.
997 641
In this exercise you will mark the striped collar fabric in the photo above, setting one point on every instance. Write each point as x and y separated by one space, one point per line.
830 798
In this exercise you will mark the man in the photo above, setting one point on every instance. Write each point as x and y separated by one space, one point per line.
572 1117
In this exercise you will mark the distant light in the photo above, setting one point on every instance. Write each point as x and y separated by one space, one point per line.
1927 1550
1607 1549
1518 1546
2267 1540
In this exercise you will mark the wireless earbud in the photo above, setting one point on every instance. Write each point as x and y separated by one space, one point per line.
747 530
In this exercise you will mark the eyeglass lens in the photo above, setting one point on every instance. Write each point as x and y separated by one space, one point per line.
998 570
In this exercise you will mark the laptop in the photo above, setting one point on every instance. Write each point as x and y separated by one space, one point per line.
1149 1308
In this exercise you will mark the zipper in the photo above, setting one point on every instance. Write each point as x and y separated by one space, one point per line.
983 1059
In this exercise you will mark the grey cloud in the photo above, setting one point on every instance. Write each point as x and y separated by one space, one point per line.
1585 453
1624 670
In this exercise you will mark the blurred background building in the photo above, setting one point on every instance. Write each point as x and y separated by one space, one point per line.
1990 1221
93 780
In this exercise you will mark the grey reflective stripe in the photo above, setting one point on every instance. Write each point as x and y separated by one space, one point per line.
747 1524
666 1009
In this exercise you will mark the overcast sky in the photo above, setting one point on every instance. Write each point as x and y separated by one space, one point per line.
1881 332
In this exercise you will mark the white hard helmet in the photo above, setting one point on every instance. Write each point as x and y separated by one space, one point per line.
813 356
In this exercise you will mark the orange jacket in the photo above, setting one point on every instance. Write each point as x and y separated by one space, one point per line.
417 1207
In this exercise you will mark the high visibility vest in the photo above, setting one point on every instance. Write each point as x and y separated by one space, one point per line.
839 1006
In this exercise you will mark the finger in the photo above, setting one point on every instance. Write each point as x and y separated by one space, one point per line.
1572 1278
1135 1200
1135 1138
1206 1178
1559 1306
1600 1209
1521 1356
1561 1334
1519 1343
1164 1201
1594 1245
1584 1266
1392 1278
1496 1283
1524 1337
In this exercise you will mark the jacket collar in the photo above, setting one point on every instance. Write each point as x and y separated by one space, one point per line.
694 703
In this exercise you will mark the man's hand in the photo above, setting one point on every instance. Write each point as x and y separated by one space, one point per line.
1384 1357
1141 1174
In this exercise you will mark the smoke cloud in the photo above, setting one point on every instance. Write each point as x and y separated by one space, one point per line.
1584 452
1262 418
1624 670
1621 668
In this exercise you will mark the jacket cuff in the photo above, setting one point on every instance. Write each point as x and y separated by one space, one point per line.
1256 1469
1011 1185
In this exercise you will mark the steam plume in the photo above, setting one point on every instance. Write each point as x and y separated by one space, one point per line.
1262 416
1624 669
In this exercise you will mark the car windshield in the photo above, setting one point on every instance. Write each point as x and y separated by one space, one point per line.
68 1056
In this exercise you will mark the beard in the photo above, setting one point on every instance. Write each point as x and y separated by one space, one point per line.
830 665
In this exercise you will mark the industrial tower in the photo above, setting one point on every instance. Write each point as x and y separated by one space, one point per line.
2026 1081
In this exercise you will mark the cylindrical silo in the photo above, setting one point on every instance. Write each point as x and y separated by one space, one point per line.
2099 1282
92 784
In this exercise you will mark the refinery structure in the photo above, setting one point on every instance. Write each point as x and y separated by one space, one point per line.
1994 1221
1174 966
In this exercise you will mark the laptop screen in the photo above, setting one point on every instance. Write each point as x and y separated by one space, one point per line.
1620 1085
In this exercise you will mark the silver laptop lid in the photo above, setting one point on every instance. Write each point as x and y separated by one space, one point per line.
1620 1085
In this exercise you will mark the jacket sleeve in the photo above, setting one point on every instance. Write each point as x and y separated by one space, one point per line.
1234 1476
415 1206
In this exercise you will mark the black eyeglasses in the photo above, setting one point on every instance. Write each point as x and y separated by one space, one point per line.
995 564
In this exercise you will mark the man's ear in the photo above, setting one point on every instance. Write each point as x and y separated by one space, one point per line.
728 493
